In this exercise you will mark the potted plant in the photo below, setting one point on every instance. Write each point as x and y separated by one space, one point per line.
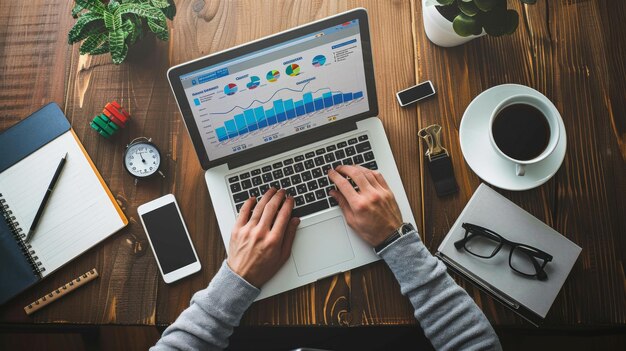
113 25
454 22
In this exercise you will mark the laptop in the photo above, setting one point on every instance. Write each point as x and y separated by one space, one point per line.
280 112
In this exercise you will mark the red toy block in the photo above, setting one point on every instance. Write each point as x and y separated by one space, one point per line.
119 108
117 111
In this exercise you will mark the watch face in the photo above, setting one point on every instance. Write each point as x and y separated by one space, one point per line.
142 160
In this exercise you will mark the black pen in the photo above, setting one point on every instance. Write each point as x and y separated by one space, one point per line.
55 178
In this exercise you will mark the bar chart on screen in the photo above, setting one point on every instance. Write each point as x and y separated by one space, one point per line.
278 95
281 110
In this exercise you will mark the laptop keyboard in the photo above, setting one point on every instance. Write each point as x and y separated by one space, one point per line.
303 176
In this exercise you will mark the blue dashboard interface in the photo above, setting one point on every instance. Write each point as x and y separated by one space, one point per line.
279 91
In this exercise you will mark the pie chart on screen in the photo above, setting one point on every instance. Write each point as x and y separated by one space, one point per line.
272 75
254 82
319 60
230 89
293 70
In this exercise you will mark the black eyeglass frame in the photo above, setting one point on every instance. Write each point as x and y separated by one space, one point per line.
532 252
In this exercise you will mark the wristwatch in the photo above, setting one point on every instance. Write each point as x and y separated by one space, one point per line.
405 228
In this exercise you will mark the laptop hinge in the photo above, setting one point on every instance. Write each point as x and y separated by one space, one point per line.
293 142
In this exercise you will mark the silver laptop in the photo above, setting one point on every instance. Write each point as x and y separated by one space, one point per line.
280 112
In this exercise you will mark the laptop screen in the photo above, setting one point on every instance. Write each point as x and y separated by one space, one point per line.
278 91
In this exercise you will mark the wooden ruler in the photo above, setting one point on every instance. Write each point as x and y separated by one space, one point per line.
61 291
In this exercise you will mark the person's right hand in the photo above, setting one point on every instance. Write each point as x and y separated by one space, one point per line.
372 211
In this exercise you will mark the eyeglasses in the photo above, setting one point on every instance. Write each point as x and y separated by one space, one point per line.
523 259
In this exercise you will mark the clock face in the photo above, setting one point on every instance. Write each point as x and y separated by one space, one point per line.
142 160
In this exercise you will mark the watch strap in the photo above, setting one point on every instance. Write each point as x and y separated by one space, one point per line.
405 228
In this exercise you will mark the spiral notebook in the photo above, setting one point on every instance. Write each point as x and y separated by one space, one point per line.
80 213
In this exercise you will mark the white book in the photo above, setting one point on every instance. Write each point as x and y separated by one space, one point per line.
529 297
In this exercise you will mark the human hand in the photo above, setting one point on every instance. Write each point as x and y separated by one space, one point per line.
261 240
372 211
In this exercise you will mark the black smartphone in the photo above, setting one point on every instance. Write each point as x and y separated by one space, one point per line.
169 238
415 93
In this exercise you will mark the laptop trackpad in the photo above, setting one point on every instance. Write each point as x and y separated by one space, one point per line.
321 245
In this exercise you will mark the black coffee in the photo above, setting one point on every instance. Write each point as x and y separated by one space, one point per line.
521 131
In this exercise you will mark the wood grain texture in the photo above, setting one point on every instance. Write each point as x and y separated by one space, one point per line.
571 51
33 56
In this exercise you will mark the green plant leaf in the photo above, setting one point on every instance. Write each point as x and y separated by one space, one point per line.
159 29
76 10
102 49
113 5
160 3
130 31
116 43
112 21
112 25
486 5
501 23
119 57
90 29
75 34
141 10
92 42
138 25
468 8
95 6
465 25
165 36
116 40
128 26
158 26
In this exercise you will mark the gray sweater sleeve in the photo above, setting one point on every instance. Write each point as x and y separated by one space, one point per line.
449 317
213 313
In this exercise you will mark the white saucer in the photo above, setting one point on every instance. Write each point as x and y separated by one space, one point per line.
485 161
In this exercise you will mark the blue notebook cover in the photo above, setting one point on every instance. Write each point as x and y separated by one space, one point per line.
18 271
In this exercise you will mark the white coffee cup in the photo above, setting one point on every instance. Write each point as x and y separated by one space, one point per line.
549 112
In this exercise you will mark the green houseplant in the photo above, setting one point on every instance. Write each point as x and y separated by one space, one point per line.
112 26
469 18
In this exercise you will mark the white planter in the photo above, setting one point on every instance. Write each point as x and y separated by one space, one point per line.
439 30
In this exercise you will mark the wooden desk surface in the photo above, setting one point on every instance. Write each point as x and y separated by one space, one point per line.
572 51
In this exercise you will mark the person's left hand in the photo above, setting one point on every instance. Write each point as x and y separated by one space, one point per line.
261 240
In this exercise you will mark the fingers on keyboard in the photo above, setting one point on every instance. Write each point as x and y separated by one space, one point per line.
304 177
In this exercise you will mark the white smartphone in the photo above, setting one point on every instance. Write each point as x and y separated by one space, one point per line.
169 238
415 93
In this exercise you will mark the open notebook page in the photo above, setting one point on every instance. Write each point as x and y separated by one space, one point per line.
79 213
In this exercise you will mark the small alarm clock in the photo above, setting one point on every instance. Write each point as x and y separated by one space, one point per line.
142 159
